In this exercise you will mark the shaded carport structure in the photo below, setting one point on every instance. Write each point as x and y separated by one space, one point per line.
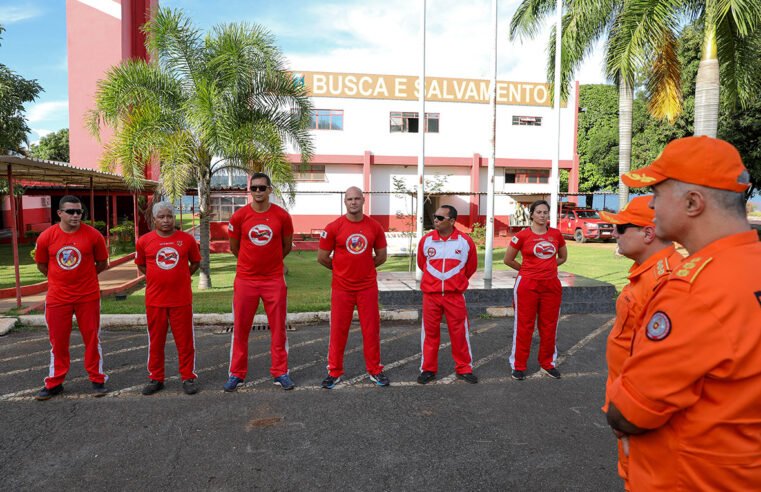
43 177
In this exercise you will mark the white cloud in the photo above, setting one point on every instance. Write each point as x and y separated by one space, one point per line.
10 14
47 110
371 37
41 132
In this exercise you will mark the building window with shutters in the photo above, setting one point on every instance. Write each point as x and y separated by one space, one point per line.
409 122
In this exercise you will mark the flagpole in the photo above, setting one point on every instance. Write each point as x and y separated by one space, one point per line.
488 255
554 174
421 131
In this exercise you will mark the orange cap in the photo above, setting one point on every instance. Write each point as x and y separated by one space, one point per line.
635 212
700 160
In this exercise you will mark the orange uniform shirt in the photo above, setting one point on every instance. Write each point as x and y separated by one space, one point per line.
643 279
694 375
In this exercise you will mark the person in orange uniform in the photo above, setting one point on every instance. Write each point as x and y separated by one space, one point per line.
168 258
654 259
71 255
688 396
352 238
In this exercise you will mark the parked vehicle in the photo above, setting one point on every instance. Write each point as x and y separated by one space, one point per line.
584 224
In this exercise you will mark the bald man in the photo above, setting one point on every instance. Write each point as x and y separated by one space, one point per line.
352 238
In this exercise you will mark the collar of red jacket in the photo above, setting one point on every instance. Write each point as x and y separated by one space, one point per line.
436 237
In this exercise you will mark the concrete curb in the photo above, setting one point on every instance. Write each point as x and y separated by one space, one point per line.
208 320
6 325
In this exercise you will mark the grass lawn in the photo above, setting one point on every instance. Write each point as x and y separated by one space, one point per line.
27 268
309 283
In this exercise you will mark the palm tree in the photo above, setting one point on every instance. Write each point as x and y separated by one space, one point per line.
729 52
584 23
224 100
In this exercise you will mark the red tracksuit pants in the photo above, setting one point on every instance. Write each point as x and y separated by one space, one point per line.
342 304
452 306
58 319
536 302
246 295
181 320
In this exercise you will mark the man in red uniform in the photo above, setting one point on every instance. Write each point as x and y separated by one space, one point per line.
168 258
654 259
261 235
448 259
71 254
352 238
688 396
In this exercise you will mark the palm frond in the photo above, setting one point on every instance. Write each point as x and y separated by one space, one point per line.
171 36
528 19
664 86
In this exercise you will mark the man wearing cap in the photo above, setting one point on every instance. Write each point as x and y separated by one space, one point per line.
654 259
688 396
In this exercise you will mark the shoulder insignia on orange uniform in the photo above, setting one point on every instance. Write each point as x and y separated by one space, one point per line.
663 267
690 269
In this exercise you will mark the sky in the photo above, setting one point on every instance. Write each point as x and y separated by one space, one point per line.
365 36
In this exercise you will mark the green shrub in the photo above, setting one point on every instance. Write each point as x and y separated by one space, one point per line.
478 235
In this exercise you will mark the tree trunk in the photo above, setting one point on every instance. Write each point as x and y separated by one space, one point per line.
625 104
707 86
204 197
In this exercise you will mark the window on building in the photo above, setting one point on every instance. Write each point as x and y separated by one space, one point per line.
522 176
409 122
223 206
327 119
313 172
527 121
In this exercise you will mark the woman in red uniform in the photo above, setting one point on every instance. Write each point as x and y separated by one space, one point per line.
537 293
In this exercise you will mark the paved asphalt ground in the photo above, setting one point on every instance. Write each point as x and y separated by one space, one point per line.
537 434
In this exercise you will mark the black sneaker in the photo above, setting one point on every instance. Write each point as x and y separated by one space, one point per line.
99 389
48 393
329 382
468 377
189 387
552 372
518 375
153 387
380 379
426 377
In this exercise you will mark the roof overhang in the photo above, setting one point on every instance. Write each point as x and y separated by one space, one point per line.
64 175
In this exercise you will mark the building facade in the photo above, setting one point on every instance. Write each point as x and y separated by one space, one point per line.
366 133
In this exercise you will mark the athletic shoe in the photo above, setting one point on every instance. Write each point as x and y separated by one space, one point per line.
329 382
99 389
48 393
518 375
380 379
426 377
189 387
551 372
153 387
468 377
285 382
232 384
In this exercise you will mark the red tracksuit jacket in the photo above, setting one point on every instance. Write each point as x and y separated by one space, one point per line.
447 263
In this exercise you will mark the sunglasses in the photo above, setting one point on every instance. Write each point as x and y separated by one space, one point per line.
621 228
72 211
440 218
259 188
